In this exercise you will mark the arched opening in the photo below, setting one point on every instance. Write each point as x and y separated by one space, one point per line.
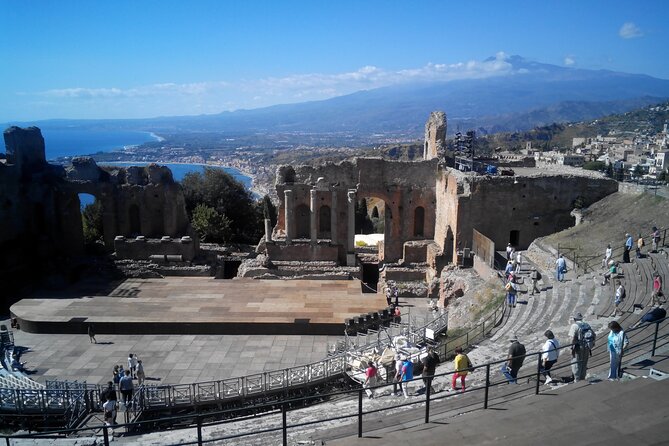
324 222
134 222
370 222
514 238
302 221
419 222
91 221
448 246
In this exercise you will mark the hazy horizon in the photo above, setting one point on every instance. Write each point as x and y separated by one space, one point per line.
120 60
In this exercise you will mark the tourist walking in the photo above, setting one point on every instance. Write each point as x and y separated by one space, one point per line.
109 409
509 251
549 355
430 363
628 247
535 276
91 334
109 394
141 376
132 364
514 361
607 256
407 375
519 262
126 386
461 365
582 338
617 344
397 382
618 299
370 379
511 289
508 270
655 236
657 298
639 245
560 268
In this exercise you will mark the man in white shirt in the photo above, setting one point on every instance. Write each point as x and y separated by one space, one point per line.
549 356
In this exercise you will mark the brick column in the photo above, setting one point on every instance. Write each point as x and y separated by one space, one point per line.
313 227
288 207
333 218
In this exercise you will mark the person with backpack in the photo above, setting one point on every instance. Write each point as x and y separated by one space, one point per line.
549 355
560 268
511 289
536 277
620 295
583 341
461 365
617 343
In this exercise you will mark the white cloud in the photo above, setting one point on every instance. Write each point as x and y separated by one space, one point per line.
629 31
217 96
569 60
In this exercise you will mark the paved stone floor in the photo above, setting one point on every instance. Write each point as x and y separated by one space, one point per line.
166 359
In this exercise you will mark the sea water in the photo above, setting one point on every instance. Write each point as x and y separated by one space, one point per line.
69 142
75 141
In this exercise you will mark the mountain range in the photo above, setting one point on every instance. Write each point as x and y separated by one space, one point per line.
529 94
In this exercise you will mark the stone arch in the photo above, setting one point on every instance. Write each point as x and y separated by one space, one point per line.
324 222
302 221
419 221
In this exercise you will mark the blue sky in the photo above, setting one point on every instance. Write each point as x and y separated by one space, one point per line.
128 59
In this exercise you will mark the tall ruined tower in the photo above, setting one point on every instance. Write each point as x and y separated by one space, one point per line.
435 135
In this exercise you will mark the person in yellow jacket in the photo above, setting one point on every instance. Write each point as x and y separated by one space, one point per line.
462 366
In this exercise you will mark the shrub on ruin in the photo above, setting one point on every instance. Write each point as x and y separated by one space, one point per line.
91 220
220 191
210 225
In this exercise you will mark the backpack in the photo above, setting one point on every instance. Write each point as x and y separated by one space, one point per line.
585 338
538 275
508 286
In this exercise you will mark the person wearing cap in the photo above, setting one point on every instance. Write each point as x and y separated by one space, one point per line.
514 361
509 269
579 355
549 355
628 247
509 251
535 276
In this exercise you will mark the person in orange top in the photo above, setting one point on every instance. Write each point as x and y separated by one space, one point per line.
462 364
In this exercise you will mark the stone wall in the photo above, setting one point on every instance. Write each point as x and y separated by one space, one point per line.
407 189
510 209
40 216
141 248
435 135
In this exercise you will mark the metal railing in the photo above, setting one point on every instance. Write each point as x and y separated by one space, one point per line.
652 341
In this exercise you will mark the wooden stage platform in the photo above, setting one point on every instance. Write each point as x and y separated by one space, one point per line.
203 305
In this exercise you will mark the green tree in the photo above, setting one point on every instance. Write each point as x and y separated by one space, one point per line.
220 191
91 219
638 171
594 165
210 225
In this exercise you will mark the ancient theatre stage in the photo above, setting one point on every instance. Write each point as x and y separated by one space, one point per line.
203 305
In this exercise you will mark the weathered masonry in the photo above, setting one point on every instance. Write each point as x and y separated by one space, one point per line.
424 201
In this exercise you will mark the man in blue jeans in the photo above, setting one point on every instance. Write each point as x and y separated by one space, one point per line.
560 268
514 361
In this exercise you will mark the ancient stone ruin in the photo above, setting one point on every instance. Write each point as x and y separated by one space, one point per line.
40 216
